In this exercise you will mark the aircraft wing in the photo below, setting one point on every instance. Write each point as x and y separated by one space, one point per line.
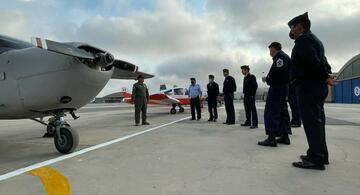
160 98
126 70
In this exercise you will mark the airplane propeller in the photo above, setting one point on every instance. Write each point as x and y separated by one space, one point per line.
90 55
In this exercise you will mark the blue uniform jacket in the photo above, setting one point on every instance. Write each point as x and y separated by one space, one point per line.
308 61
279 71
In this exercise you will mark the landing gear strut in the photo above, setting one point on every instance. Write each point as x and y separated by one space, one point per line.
66 139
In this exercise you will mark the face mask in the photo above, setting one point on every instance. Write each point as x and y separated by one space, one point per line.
291 35
211 80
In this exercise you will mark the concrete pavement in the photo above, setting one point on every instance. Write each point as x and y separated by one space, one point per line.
187 157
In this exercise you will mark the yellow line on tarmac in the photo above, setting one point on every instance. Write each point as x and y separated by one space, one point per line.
54 183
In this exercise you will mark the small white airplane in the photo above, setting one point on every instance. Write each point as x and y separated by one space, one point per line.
48 78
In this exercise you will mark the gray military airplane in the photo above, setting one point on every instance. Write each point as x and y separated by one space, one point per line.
47 78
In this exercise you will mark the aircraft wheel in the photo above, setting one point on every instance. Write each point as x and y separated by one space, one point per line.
50 130
181 109
68 140
173 111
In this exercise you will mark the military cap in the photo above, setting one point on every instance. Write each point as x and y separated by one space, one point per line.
192 79
245 67
225 70
301 19
211 76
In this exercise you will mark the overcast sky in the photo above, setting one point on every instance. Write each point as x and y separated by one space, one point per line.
179 39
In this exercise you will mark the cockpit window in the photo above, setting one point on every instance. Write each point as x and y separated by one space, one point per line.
168 92
179 91
7 43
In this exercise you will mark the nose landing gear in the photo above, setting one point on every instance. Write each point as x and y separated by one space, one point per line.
66 139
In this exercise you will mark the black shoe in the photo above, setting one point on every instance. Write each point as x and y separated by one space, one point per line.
268 142
253 127
295 125
210 120
145 123
225 123
192 119
304 157
245 125
308 165
283 140
231 123
214 120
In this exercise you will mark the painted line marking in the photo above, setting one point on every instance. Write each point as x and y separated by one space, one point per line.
54 183
83 151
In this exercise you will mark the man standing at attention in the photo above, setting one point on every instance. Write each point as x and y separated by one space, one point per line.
140 97
228 91
213 93
249 89
276 115
195 96
311 74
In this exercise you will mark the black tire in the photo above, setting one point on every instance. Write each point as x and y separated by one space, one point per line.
181 109
69 140
173 111
50 129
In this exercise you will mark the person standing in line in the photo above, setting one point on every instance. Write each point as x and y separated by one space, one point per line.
249 89
311 74
276 114
195 94
213 93
228 91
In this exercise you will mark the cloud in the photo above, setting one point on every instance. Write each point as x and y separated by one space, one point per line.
178 39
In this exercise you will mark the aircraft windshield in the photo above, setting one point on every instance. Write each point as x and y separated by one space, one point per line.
168 92
179 91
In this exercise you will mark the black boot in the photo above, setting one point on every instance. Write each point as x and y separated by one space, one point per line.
284 139
270 141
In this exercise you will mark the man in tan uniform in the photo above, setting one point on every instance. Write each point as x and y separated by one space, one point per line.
140 97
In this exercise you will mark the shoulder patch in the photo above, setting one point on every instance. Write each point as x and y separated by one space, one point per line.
279 63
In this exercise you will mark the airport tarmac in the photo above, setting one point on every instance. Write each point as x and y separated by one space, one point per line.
174 156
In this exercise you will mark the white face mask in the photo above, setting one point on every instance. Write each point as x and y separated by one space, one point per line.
211 80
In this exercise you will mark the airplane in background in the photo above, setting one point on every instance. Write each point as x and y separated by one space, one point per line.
175 97
47 78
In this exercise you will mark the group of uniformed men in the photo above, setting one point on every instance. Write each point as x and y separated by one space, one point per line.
301 80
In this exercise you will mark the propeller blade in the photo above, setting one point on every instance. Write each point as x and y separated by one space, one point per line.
122 65
62 48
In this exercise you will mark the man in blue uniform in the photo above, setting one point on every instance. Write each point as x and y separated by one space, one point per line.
276 116
228 91
195 94
311 73
213 93
249 90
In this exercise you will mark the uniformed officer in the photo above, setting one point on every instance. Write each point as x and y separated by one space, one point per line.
213 93
311 73
140 97
195 94
228 91
295 113
276 115
249 90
